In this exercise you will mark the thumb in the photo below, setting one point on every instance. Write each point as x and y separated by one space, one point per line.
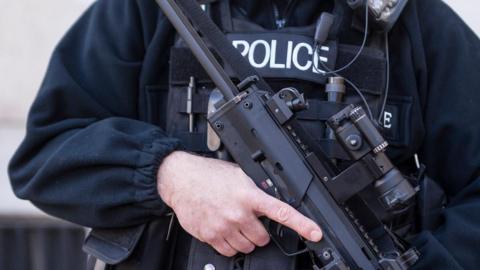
280 212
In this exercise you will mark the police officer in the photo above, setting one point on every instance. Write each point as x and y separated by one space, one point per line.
100 151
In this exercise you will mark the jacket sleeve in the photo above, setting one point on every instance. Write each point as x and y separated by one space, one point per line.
452 143
85 158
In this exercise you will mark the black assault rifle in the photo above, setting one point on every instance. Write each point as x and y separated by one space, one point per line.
260 131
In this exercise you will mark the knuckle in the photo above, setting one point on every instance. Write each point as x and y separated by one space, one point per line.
308 225
260 207
222 251
248 248
236 217
208 236
243 245
259 203
228 253
226 250
284 213
263 239
242 218
222 229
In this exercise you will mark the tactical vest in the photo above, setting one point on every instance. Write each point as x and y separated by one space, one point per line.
285 58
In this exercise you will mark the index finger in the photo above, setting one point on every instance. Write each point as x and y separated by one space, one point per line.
280 212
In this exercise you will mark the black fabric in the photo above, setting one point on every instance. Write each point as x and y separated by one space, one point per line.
154 250
332 149
225 14
320 110
431 201
90 155
261 12
185 66
285 55
199 104
368 71
113 246
195 142
87 157
398 113
218 41
202 254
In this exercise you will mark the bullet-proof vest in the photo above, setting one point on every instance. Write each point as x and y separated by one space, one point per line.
285 58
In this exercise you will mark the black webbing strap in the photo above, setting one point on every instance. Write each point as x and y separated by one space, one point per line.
200 106
219 43
225 15
193 141
320 110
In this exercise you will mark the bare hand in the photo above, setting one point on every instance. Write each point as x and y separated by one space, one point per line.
217 203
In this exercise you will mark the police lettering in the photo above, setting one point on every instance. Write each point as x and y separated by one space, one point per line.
262 54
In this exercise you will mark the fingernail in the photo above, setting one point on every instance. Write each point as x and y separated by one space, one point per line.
316 236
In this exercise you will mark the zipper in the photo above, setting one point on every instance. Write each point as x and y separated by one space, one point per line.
281 19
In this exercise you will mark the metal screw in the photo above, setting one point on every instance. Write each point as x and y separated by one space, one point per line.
219 125
354 141
326 255
325 179
247 105
209 267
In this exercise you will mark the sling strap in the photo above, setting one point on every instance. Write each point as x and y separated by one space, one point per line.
219 43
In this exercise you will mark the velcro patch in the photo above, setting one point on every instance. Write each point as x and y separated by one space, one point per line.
286 55
396 120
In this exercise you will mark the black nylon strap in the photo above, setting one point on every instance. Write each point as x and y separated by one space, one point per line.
320 110
226 15
220 44
199 104
196 142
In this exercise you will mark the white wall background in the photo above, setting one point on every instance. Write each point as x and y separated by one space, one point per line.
29 29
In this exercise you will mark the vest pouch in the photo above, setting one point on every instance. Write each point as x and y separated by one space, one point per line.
202 256
112 246
188 97
192 135
144 247
269 258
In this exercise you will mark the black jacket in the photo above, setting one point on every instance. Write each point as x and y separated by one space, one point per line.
94 134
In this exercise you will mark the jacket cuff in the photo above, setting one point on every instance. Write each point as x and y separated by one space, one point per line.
145 176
